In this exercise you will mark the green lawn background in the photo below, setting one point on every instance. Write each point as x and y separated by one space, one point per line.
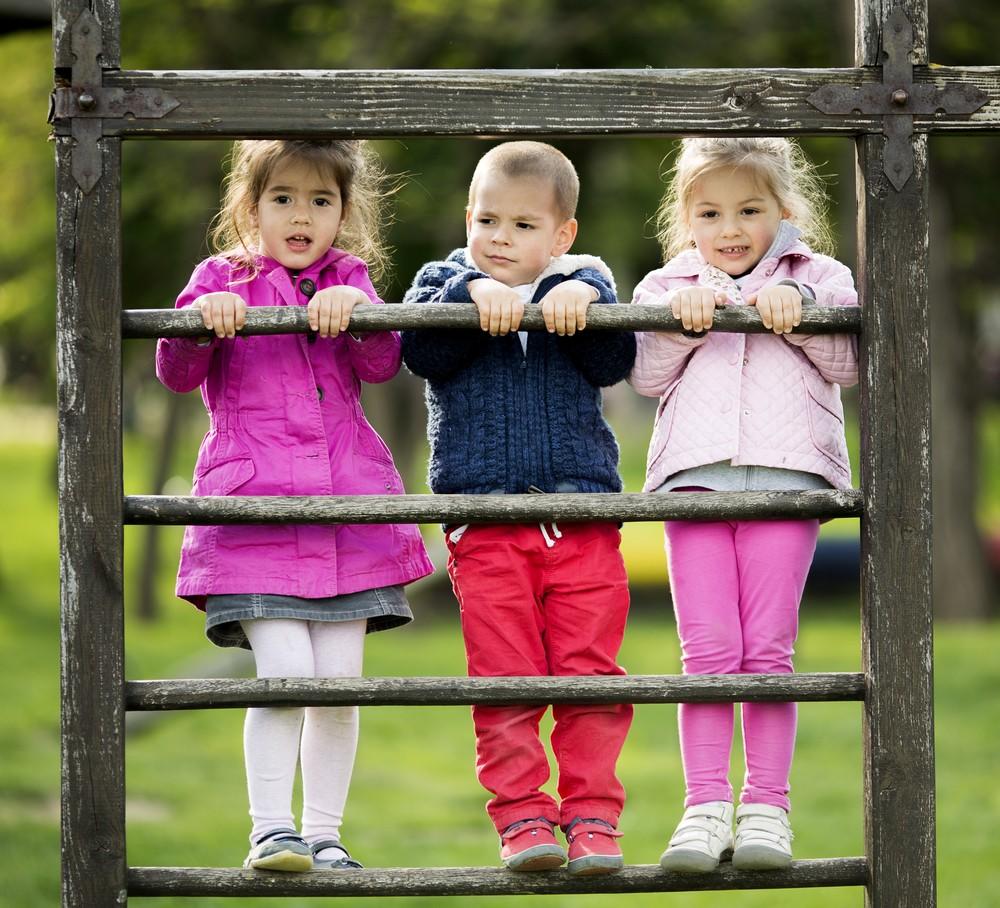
414 799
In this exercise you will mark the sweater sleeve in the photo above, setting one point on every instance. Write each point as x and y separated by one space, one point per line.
376 356
437 354
834 355
604 358
660 355
182 363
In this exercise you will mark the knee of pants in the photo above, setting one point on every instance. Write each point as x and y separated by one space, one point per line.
713 651
771 656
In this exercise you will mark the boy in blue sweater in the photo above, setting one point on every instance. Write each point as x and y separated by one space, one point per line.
511 412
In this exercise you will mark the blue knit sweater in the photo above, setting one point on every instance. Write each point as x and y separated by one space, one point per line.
500 419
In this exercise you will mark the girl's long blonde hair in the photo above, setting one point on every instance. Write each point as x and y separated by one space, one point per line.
351 163
778 164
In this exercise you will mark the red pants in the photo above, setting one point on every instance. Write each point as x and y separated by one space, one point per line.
531 609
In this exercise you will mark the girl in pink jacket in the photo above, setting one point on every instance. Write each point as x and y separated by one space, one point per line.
740 225
286 419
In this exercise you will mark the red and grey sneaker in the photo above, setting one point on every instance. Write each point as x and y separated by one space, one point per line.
592 847
531 845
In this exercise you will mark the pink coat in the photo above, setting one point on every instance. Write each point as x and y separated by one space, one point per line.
748 398
286 419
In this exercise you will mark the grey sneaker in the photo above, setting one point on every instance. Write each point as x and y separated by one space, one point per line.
283 849
763 838
344 863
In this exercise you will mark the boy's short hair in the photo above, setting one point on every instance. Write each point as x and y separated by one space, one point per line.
533 159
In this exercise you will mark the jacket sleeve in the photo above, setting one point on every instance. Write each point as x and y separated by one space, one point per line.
437 354
834 355
376 356
182 363
660 355
604 358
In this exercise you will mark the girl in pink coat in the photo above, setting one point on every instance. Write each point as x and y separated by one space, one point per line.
740 225
286 419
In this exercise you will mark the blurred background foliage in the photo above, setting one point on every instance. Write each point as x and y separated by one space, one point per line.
185 797
171 190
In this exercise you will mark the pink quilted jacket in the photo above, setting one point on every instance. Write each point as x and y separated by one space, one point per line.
748 398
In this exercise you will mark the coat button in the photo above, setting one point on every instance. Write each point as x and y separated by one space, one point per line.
319 392
308 287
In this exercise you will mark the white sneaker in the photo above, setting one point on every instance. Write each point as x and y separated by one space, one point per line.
703 837
763 838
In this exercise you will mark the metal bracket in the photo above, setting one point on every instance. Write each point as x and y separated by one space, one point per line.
896 98
86 102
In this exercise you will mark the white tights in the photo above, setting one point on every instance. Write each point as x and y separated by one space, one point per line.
326 737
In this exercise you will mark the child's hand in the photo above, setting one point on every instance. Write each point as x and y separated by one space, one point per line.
564 307
329 311
222 312
695 307
780 307
500 307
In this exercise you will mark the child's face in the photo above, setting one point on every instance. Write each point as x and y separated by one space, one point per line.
298 215
514 228
733 219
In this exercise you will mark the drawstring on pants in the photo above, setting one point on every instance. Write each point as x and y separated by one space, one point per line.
555 532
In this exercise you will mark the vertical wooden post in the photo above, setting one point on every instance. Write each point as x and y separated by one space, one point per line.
90 502
897 630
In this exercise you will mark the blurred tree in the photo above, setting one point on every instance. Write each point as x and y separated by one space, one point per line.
171 189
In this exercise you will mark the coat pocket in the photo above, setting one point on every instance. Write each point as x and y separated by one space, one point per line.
225 473
826 427
663 423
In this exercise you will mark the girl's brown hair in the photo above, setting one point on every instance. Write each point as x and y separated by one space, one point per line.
778 164
351 163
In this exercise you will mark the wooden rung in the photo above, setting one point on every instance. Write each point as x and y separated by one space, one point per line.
221 693
385 882
607 102
458 509
368 317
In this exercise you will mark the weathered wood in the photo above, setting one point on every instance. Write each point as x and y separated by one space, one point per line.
382 103
90 528
445 881
222 693
66 12
530 508
368 317
896 527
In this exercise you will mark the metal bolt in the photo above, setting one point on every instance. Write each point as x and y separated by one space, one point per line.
900 97
87 101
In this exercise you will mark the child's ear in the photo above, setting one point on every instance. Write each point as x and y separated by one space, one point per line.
565 235
468 221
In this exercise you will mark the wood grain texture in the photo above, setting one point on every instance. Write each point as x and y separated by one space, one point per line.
88 353
223 693
384 882
66 12
369 317
530 508
897 619
384 103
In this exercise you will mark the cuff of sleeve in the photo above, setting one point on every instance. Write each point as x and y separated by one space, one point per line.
605 295
806 292
456 289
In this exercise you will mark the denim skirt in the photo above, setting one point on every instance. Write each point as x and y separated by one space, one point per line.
385 607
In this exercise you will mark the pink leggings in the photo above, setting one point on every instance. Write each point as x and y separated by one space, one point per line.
736 588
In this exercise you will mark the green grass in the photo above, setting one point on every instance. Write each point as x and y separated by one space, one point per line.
414 799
